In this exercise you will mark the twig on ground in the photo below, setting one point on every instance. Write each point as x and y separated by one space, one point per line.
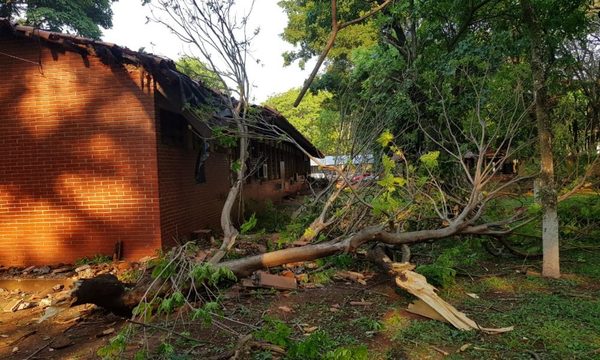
38 351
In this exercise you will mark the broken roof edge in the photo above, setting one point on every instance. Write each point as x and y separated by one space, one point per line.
177 87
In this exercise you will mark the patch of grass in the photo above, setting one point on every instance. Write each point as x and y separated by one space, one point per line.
557 326
555 319
433 332
394 323
494 284
582 262
316 346
368 324
131 276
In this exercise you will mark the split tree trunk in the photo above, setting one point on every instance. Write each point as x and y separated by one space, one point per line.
548 195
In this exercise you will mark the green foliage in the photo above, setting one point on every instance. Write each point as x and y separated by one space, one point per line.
430 159
166 349
316 346
163 267
211 274
130 276
94 260
268 217
388 180
439 273
275 332
80 16
442 271
580 210
144 310
223 138
348 353
311 347
170 303
115 346
368 324
341 261
236 166
198 71
298 226
385 138
206 312
315 118
249 224
309 23
322 277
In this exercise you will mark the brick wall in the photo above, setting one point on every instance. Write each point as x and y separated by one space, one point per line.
78 166
186 205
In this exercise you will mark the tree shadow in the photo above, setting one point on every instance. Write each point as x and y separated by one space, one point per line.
79 164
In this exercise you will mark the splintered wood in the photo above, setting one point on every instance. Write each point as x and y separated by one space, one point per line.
432 306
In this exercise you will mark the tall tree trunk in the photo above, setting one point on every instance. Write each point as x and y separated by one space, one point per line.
230 232
548 196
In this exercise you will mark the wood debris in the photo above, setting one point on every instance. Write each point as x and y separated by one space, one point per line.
417 285
264 279
351 275
361 303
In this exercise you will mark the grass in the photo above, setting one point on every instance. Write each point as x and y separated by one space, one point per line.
555 319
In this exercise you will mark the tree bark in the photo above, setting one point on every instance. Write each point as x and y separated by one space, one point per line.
548 195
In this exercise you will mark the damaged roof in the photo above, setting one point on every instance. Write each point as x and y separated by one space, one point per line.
179 89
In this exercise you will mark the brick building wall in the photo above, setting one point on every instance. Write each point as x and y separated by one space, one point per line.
185 204
78 167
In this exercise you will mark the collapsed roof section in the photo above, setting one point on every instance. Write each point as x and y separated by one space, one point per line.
182 93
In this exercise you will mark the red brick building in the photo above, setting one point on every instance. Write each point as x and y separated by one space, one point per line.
97 149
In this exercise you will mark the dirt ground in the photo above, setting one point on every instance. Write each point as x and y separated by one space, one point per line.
77 332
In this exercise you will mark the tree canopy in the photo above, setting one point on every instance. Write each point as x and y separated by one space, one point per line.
82 17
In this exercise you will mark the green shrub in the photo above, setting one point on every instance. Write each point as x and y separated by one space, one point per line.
268 217
442 271
94 260
249 224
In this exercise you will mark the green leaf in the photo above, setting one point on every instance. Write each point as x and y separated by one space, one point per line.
430 159
385 138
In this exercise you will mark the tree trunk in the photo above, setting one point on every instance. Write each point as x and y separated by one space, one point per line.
230 232
548 196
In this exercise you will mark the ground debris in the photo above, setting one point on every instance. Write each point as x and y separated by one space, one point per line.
353 276
62 270
361 303
106 332
61 342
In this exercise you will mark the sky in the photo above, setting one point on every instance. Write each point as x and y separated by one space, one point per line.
268 78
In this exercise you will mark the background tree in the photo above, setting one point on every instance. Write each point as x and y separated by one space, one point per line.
316 118
430 47
197 70
81 17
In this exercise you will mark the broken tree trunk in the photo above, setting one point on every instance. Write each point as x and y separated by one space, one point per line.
432 305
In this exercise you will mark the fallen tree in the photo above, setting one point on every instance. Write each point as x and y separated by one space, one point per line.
411 199
410 202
